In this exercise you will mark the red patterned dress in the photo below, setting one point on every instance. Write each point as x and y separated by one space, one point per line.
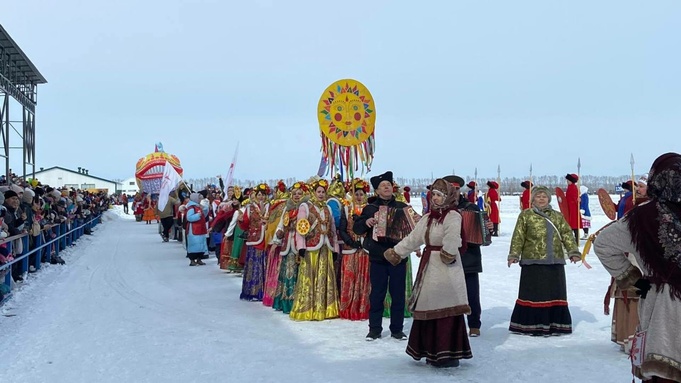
355 284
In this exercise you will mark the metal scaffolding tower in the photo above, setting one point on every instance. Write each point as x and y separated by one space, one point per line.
19 80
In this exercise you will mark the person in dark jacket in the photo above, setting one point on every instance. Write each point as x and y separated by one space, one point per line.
382 274
471 261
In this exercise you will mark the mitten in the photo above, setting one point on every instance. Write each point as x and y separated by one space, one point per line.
643 285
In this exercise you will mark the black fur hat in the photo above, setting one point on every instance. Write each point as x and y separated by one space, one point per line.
376 180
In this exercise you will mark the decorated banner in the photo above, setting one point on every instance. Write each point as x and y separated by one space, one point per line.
347 118
150 168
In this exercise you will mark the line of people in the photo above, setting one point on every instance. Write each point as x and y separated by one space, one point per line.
315 256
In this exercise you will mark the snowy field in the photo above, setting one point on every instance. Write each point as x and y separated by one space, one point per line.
127 308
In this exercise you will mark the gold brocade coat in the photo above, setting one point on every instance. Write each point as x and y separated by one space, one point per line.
322 228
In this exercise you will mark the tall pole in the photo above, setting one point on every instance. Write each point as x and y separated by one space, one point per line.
633 181
499 175
475 189
529 198
579 194
499 191
530 179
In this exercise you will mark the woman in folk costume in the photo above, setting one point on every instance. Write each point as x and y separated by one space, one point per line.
138 207
336 200
438 332
316 297
196 230
273 261
625 309
651 232
409 278
149 210
355 284
539 237
228 240
238 254
253 223
574 219
286 236
493 200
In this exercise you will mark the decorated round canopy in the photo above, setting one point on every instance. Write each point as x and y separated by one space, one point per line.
347 118
149 169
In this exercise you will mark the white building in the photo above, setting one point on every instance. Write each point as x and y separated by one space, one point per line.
79 179
129 186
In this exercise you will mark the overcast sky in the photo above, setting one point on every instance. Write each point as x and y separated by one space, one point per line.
457 84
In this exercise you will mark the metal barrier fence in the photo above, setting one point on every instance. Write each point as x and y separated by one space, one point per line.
50 242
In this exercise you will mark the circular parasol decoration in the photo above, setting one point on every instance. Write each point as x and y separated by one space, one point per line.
286 219
347 119
303 226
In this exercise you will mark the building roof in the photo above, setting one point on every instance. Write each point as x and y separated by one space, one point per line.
74 172
28 70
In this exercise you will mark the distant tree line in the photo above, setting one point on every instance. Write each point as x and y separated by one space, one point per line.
509 185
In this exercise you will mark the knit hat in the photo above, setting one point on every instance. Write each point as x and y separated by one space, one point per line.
541 189
643 180
10 193
471 184
626 185
195 197
526 184
28 196
572 177
16 188
493 184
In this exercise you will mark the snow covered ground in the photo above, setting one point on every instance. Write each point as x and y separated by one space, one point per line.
127 308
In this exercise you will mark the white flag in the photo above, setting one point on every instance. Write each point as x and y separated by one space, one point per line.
170 181
230 173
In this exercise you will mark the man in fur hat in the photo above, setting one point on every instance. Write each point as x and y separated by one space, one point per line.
383 275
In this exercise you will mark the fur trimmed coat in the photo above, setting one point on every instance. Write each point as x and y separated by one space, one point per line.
440 290
659 314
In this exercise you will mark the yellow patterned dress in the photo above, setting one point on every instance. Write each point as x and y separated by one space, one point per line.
316 295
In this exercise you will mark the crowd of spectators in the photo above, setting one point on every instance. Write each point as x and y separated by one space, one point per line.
29 208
